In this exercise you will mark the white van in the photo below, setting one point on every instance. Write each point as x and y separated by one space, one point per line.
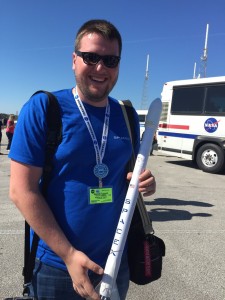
192 123
142 113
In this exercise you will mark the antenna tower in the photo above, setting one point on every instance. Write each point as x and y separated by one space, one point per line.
194 74
205 55
144 99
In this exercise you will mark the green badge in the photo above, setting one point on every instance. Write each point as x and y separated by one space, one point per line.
100 195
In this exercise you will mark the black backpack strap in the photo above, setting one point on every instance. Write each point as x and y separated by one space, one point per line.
54 138
130 115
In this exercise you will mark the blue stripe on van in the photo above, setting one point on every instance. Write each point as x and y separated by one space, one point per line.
178 135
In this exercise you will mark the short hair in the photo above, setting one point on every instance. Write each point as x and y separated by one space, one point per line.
102 27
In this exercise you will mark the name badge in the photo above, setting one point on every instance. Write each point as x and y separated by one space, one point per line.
100 195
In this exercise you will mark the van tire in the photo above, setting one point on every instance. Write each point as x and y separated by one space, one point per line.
210 158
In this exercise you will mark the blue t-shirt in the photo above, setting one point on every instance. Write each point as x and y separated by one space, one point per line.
90 228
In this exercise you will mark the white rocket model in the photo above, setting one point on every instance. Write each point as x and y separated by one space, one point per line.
108 289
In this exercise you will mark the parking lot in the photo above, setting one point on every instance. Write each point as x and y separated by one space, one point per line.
188 213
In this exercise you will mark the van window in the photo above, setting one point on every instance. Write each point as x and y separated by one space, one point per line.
165 107
142 118
188 100
215 99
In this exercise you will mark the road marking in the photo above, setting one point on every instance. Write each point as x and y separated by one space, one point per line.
5 232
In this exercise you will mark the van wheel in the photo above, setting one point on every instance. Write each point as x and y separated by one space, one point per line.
210 158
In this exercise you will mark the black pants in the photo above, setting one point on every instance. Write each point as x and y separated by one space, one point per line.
9 136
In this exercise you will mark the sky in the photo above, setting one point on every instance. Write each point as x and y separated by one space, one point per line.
37 42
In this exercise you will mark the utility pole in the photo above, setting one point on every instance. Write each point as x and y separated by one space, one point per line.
144 99
205 55
194 74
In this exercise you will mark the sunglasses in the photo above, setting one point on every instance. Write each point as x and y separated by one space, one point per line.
90 58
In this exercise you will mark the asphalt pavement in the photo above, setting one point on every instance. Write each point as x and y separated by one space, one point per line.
188 213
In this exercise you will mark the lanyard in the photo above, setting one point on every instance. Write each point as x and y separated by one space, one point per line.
100 170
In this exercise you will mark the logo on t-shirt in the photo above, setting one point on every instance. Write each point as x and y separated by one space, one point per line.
116 137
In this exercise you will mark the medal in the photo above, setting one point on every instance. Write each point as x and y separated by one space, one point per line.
101 170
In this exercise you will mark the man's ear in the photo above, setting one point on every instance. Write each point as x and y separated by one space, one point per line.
74 58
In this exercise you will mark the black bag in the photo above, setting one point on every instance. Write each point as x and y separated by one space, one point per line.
145 255
145 250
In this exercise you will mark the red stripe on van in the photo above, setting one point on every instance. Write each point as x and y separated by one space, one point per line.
184 127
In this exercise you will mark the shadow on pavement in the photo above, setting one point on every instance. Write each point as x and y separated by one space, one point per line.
184 163
164 214
168 214
176 202
189 164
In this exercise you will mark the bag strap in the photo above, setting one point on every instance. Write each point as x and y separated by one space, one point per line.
128 113
54 138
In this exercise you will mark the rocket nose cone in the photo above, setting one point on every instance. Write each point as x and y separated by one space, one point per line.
154 113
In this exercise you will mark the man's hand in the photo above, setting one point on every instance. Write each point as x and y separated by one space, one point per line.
78 266
147 184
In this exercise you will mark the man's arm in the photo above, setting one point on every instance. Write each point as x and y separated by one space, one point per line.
25 193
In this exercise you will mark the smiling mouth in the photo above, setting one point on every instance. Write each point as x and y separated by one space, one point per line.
97 79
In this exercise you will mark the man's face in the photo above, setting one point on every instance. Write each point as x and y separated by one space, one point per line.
94 82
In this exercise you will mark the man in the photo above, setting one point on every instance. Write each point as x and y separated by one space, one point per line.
75 232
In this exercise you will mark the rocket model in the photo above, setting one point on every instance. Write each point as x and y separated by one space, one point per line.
108 289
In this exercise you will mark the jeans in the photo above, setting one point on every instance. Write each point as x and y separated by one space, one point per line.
10 137
52 283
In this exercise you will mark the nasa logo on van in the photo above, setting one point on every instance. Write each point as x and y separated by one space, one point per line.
211 125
